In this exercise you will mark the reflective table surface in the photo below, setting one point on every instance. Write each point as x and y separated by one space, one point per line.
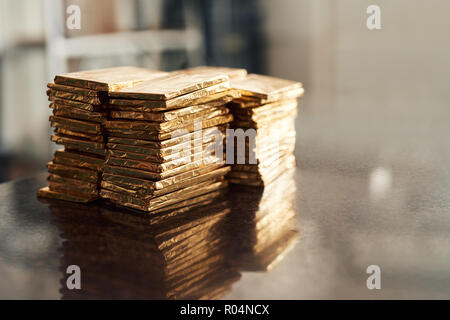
311 234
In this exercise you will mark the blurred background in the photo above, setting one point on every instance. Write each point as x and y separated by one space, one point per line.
368 92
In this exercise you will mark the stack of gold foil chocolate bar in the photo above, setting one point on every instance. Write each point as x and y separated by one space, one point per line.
266 113
79 102
149 139
165 139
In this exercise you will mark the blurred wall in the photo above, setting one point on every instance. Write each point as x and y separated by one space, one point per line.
355 78
24 110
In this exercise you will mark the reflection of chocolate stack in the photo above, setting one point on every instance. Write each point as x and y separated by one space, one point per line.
268 107
264 220
175 254
78 101
162 139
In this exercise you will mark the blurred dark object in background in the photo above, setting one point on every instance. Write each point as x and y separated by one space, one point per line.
13 166
232 32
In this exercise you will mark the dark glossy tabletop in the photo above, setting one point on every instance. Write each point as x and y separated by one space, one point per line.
315 235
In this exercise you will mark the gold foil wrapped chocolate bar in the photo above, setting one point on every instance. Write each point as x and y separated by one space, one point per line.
165 140
150 140
267 108
79 104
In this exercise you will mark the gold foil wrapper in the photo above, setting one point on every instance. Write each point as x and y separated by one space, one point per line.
161 201
265 87
73 104
74 96
79 114
78 160
72 189
209 199
150 175
232 73
214 100
71 89
203 96
157 155
207 133
176 161
89 145
170 86
264 110
108 79
74 173
140 188
155 136
266 121
73 182
134 183
75 125
77 135
47 193
78 145
167 126
164 116
289 95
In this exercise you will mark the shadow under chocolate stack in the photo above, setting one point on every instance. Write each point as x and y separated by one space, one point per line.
163 137
267 107
79 101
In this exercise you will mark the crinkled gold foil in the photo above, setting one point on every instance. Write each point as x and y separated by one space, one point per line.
169 86
143 174
207 134
156 155
79 114
75 135
162 201
139 183
79 183
183 113
155 166
74 173
232 73
73 96
264 87
154 136
72 89
75 125
47 193
167 126
73 104
72 188
202 96
78 160
108 79
88 144
214 100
